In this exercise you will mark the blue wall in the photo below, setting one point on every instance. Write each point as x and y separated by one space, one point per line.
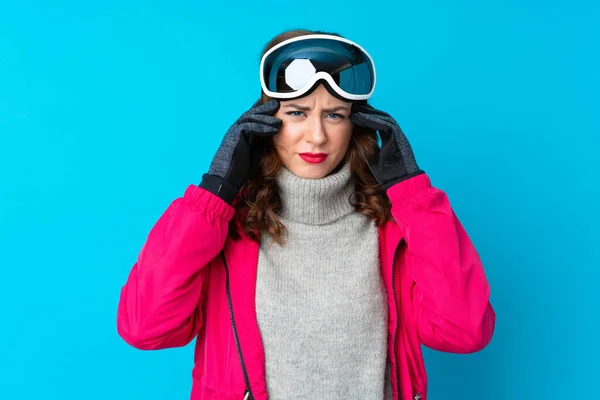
108 111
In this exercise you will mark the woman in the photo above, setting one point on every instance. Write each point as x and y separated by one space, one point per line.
310 262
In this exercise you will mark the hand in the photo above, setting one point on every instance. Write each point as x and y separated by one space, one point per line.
394 162
236 157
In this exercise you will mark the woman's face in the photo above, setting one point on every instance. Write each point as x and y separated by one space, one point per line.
315 133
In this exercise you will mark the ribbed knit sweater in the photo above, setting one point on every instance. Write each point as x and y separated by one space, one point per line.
320 298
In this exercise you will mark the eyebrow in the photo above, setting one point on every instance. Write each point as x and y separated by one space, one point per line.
304 108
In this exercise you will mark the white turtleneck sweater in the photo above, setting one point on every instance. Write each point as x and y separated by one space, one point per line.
320 299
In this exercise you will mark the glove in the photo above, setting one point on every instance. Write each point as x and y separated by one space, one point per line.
236 158
394 162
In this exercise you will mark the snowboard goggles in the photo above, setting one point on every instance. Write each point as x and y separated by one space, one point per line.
290 69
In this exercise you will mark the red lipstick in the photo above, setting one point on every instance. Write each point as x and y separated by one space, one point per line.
313 158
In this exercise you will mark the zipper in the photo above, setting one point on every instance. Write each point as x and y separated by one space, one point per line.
417 396
248 393
397 319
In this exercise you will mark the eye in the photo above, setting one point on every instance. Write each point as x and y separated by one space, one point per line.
294 113
336 116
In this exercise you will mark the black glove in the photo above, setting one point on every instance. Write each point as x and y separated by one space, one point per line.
394 162
236 158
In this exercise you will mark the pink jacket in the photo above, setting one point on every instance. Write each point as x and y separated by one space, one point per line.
191 280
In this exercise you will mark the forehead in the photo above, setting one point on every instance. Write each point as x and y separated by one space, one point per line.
318 96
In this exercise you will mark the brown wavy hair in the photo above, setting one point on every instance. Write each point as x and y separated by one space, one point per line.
258 204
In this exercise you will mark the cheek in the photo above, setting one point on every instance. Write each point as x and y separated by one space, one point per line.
288 135
282 141
343 136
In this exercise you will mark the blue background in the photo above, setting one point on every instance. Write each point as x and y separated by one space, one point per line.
108 111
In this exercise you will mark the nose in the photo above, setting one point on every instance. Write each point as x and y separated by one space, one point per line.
316 133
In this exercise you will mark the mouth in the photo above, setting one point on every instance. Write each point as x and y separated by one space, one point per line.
313 158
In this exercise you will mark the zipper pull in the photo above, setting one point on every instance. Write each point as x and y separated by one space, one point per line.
246 395
417 396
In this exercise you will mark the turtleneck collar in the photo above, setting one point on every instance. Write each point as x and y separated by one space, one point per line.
316 201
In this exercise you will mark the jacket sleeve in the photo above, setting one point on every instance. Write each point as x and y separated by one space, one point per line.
450 292
159 305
